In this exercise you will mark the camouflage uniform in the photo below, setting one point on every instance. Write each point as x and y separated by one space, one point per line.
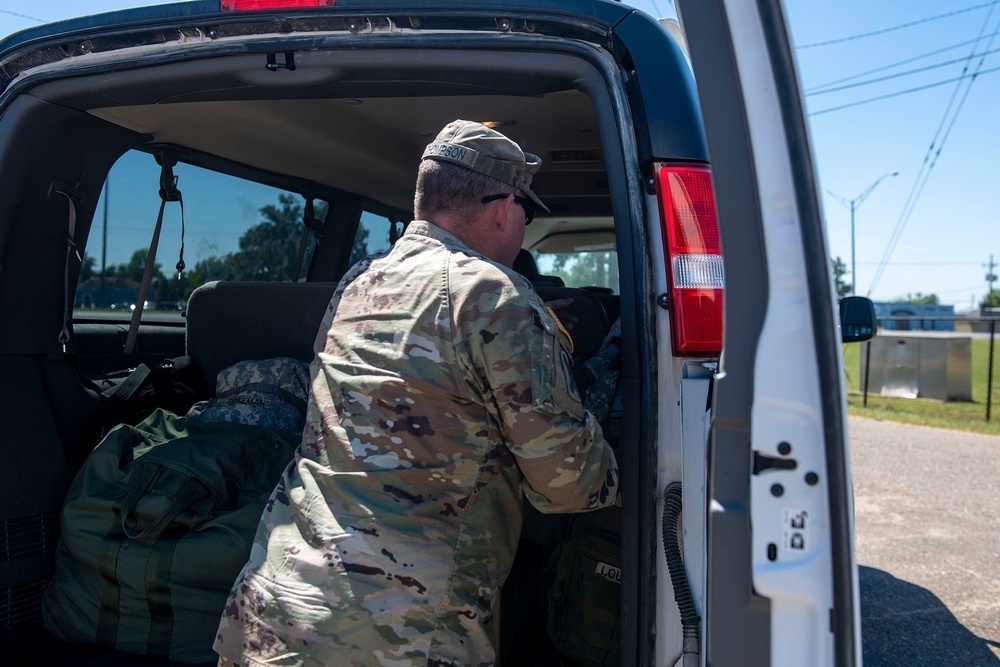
441 392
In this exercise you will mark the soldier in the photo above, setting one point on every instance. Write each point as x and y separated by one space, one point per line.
441 392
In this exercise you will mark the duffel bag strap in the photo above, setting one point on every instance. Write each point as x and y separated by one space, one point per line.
144 476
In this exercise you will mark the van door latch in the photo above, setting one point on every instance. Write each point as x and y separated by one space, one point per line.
763 463
273 65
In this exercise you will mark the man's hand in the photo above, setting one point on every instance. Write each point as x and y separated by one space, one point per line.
561 308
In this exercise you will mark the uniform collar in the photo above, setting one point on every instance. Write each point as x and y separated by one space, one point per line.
430 230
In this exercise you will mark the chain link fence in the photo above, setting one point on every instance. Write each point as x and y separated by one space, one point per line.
949 361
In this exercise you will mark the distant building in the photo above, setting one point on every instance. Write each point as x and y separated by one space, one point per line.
89 296
915 316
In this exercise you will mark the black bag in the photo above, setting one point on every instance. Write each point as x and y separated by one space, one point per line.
584 616
584 601
172 384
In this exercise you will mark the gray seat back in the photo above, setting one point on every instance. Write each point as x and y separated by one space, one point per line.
229 322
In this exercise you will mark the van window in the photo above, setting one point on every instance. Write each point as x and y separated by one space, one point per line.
234 229
585 267
373 236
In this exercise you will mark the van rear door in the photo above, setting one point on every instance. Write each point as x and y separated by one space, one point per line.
781 574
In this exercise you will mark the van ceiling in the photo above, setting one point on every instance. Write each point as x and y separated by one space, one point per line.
358 121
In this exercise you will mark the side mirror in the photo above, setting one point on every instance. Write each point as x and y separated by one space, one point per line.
857 319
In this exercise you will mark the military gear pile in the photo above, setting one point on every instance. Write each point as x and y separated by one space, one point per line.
271 393
162 515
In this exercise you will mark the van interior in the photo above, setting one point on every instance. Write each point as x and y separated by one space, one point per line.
318 148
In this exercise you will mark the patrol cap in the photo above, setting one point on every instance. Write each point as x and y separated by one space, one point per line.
479 148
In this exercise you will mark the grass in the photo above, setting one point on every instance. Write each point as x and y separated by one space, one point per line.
957 415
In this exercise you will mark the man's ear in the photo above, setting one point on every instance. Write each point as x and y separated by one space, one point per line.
503 213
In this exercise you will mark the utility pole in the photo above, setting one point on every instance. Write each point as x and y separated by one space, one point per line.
853 204
104 243
990 276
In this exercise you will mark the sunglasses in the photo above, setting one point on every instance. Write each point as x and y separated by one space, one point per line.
526 204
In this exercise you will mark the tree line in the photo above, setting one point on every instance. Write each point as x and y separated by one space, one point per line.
267 251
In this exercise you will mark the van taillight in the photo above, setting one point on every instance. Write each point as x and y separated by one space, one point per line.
694 258
257 5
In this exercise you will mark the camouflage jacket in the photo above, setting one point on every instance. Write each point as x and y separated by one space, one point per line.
441 392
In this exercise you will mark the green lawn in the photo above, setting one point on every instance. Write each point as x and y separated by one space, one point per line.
964 416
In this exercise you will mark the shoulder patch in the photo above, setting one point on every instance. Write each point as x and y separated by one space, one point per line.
561 328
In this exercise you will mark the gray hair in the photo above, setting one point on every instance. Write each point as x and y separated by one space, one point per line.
445 187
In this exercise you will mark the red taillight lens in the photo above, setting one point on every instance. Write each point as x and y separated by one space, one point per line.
694 258
257 5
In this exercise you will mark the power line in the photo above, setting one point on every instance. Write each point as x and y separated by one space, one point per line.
975 288
902 92
969 263
893 28
920 184
929 162
892 65
22 16
890 77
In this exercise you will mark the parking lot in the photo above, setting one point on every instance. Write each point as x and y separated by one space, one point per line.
928 544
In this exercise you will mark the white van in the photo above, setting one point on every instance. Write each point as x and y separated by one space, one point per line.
676 165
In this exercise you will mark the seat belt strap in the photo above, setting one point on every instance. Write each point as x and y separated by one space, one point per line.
311 225
71 251
397 228
73 196
168 193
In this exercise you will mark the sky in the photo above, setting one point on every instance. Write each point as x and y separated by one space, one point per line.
930 229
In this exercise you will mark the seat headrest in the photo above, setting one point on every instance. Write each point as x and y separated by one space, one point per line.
592 321
228 322
525 264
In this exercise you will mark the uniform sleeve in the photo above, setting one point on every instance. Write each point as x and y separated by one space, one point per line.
526 370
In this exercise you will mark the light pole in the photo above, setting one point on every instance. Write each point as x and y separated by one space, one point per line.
853 205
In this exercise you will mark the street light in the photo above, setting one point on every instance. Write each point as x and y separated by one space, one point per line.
853 205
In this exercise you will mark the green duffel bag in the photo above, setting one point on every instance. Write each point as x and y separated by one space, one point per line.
156 527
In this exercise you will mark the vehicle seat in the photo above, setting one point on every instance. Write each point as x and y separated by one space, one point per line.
525 264
592 321
229 322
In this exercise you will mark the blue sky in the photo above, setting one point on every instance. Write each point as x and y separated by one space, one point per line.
944 236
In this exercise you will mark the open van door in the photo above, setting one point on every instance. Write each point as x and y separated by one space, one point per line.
781 576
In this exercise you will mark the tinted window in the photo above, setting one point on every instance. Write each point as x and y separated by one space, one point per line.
373 237
233 229
585 268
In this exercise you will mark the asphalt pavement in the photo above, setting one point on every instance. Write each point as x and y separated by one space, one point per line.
927 511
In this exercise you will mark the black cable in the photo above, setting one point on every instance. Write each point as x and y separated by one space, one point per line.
907 91
890 77
912 201
893 28
968 263
23 16
974 288
675 566
928 165
905 61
